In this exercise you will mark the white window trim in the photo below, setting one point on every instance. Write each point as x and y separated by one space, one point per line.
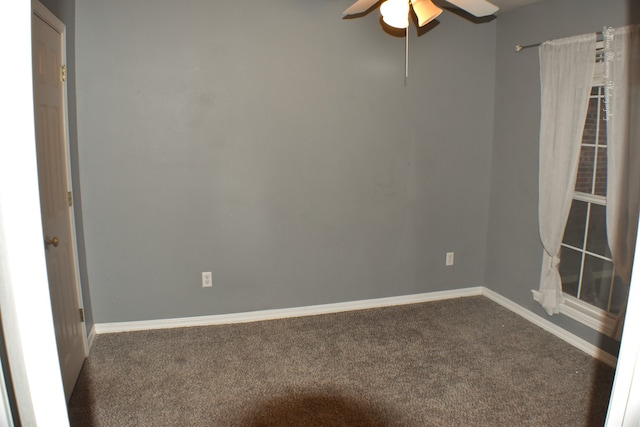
586 314
590 198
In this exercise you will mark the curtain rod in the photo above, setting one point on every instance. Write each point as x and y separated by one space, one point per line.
519 47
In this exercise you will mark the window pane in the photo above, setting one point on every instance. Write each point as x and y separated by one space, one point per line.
597 241
602 126
569 267
601 173
596 281
574 230
591 122
584 181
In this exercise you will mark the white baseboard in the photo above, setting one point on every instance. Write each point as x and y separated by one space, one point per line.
91 338
255 316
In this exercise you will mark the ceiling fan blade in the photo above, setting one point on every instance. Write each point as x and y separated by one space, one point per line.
360 6
477 8
425 11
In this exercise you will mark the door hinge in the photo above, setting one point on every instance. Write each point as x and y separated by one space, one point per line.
63 73
70 198
81 314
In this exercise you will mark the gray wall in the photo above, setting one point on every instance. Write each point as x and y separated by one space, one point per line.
514 251
64 10
275 144
279 148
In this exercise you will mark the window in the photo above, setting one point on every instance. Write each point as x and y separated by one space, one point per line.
580 200
586 269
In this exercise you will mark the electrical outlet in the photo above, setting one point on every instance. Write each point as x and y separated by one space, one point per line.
207 282
449 260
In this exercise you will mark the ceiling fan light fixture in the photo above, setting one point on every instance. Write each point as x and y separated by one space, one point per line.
395 13
396 22
426 11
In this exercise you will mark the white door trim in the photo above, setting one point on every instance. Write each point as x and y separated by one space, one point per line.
624 406
24 294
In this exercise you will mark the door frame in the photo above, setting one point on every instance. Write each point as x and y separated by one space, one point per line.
50 19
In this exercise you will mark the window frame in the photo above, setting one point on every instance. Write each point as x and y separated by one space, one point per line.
572 307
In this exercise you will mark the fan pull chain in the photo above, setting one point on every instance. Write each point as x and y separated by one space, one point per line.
406 55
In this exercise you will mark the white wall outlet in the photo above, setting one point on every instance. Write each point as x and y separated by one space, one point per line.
449 260
207 282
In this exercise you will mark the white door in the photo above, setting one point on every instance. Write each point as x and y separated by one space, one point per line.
55 192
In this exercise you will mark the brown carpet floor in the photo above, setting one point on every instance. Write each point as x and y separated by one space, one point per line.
460 362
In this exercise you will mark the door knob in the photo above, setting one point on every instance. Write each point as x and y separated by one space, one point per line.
55 241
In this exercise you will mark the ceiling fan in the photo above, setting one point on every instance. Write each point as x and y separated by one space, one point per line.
396 12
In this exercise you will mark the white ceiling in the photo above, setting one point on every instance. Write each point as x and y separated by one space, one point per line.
506 5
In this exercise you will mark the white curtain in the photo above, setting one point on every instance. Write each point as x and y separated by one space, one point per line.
566 72
622 109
